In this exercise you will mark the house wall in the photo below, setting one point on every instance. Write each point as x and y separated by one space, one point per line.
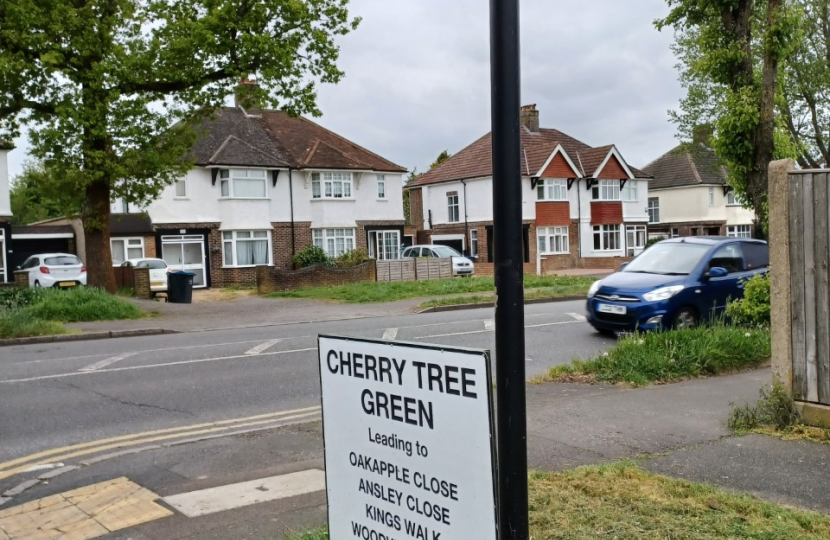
5 186
691 205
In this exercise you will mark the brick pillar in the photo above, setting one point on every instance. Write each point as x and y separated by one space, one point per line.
265 282
21 278
142 282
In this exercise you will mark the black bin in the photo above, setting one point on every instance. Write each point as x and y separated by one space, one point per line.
180 287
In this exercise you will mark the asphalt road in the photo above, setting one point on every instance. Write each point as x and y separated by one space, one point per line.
68 393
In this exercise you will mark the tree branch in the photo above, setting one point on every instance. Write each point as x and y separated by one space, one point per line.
167 87
20 103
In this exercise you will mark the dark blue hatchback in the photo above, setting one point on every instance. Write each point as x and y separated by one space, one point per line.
676 283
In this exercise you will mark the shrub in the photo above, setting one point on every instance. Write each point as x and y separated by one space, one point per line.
82 304
754 308
18 297
355 257
652 241
311 255
17 322
775 408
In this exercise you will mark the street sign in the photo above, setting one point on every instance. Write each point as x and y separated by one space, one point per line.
409 448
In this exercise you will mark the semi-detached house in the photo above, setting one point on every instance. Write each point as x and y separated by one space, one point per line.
264 186
582 207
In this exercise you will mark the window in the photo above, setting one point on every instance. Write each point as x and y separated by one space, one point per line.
711 196
381 186
635 239
452 207
755 255
245 248
474 243
674 233
181 188
384 245
654 210
606 190
629 192
332 185
607 238
242 184
126 248
728 257
739 231
553 240
733 199
334 242
552 190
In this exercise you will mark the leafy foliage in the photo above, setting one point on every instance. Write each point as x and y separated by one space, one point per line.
311 255
18 297
775 408
652 241
754 308
36 196
355 257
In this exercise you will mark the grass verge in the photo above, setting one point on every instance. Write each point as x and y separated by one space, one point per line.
17 323
575 291
623 502
775 415
661 357
370 292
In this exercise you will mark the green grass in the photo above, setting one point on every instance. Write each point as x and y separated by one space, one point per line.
82 304
319 534
676 355
576 290
18 322
776 415
621 501
370 292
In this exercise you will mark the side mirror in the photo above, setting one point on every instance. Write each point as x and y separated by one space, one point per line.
716 271
622 266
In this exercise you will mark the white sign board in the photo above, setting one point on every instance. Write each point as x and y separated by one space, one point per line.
409 441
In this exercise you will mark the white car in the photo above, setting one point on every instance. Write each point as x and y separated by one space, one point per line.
158 272
461 265
62 270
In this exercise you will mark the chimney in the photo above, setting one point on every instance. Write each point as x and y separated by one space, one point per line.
530 118
245 96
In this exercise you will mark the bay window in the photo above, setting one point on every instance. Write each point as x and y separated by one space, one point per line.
243 183
246 248
126 248
552 190
739 231
607 238
629 192
733 199
606 190
334 242
553 240
332 185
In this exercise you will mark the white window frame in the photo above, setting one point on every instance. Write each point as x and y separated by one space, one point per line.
732 198
711 196
376 245
332 185
606 190
651 210
553 240
674 232
130 242
228 178
326 239
739 231
474 243
552 189
236 239
381 187
630 192
176 184
609 236
3 255
453 207
637 232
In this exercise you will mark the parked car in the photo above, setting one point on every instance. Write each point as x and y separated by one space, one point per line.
461 265
62 270
676 284
158 272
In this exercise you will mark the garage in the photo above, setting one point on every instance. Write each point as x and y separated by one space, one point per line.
455 241
28 240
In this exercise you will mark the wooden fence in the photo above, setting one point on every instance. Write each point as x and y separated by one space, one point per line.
124 277
414 269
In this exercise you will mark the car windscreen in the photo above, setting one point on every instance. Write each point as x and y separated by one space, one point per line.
444 251
670 258
61 261
152 265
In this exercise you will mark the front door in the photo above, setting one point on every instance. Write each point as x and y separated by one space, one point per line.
186 252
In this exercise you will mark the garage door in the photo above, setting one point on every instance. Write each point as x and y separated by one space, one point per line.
23 249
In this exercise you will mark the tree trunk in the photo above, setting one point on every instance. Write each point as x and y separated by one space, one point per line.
96 218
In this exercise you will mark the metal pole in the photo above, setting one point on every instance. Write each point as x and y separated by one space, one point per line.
508 267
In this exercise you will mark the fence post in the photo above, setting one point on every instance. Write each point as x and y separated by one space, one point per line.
142 283
780 293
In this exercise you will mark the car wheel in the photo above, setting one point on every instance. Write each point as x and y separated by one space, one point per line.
37 284
685 318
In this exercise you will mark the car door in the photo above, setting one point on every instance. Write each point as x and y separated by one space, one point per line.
718 291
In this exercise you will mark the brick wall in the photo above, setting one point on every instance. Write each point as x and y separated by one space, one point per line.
606 213
416 206
612 170
559 168
549 214
21 278
142 282
150 247
270 279
685 229
360 232
281 236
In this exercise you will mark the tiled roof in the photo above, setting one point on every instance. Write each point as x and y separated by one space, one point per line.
475 161
686 166
275 139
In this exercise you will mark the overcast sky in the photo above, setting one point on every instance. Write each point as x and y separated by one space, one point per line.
418 77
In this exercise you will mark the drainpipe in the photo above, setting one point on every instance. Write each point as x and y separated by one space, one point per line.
291 202
466 224
579 220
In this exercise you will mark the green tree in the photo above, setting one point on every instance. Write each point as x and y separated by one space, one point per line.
109 89
35 196
731 55
442 157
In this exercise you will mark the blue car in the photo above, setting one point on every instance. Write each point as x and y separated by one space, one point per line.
676 283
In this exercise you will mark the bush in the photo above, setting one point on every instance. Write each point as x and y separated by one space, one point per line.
775 408
355 257
17 322
18 297
652 241
81 304
311 255
754 308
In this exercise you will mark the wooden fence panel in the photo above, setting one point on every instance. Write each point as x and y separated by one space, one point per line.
414 269
808 194
822 265
124 277
797 225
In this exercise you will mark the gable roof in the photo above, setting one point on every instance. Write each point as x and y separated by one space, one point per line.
686 166
475 161
273 139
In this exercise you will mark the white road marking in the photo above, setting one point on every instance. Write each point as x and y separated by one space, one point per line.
44 467
489 324
107 361
485 331
151 366
390 334
578 317
218 499
262 347
550 324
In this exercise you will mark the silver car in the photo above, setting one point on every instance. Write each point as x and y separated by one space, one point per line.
461 265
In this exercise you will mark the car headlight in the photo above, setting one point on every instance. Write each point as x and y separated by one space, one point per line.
594 288
663 293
